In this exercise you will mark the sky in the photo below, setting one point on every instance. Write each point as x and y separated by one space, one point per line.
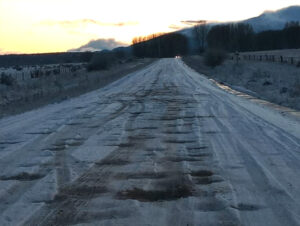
39 26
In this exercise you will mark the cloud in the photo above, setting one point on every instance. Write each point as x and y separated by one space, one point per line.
82 22
186 24
176 27
193 22
98 45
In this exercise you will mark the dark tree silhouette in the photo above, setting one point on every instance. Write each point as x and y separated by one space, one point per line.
160 45
231 37
240 37
200 33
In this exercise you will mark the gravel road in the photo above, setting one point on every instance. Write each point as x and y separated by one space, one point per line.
161 146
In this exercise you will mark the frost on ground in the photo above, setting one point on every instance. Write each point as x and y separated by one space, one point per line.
36 86
274 82
161 146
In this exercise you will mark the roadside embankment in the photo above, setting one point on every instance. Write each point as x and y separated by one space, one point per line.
274 82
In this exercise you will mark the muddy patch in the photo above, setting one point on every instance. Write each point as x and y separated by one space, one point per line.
147 128
246 207
168 194
115 162
169 118
81 191
74 123
205 116
207 180
93 126
177 132
40 133
10 142
126 145
140 112
141 137
58 148
199 155
194 148
23 177
177 141
142 175
183 159
201 173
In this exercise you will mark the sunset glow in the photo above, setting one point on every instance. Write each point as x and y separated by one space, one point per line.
35 26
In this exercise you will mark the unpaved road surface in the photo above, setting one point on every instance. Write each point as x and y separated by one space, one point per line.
161 146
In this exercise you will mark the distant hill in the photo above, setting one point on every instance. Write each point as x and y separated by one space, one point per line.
269 20
274 20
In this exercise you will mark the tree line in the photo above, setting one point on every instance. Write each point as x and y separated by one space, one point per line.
160 45
241 37
44 58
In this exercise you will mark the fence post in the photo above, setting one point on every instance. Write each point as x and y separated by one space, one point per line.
292 60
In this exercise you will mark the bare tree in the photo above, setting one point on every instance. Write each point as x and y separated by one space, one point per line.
200 32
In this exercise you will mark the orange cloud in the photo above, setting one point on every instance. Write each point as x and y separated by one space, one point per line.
76 23
176 27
